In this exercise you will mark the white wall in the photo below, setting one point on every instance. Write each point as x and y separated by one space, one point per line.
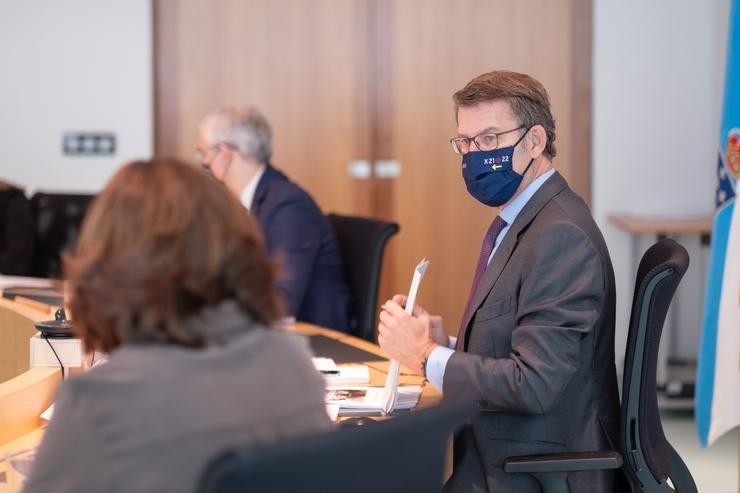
73 65
658 75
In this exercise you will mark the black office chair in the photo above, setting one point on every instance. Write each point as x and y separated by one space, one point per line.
404 455
649 459
58 220
362 242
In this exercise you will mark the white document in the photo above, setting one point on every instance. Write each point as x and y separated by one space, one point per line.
48 413
390 391
333 411
24 282
324 365
335 375
370 399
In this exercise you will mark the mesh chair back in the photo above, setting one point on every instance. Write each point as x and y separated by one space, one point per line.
648 457
404 455
58 221
362 242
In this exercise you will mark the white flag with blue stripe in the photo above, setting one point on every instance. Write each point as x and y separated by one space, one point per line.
718 375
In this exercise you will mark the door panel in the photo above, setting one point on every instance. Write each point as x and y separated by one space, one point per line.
438 46
302 63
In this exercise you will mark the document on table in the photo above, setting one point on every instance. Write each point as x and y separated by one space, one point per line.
370 399
391 391
341 374
48 413
24 282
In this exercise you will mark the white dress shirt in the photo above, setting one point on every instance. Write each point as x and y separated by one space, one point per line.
247 196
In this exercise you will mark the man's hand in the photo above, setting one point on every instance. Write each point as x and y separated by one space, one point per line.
436 329
407 338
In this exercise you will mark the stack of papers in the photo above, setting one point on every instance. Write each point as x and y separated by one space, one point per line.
370 399
341 375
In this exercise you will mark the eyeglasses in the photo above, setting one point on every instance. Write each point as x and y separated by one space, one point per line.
487 141
200 156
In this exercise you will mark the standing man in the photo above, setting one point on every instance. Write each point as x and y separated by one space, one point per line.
235 144
536 343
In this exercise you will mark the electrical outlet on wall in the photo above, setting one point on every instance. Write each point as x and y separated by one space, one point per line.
89 144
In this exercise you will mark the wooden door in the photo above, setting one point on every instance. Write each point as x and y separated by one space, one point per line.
303 63
437 47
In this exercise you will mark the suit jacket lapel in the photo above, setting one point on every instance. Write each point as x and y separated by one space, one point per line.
554 185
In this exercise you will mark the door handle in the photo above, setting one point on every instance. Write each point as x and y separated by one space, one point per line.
387 168
360 169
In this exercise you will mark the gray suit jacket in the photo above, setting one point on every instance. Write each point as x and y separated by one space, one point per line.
539 352
153 416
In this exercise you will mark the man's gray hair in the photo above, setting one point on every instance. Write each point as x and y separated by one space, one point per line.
242 127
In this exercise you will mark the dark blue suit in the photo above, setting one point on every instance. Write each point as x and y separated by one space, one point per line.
298 235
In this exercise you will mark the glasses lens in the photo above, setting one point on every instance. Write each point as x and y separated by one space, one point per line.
460 145
486 142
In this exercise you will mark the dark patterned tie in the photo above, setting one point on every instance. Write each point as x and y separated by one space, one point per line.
489 241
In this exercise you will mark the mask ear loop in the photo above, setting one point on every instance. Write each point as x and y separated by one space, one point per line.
517 143
527 168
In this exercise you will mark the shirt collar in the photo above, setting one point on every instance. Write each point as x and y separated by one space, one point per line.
247 196
511 211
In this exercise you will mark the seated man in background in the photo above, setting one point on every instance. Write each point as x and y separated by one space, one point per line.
170 278
236 145
17 232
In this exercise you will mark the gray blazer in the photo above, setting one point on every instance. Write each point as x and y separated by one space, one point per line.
540 348
152 417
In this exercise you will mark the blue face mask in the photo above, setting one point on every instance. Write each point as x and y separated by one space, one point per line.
489 176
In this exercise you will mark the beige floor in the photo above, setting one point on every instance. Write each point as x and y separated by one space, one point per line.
716 468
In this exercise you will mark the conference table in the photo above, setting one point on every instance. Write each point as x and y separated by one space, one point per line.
26 392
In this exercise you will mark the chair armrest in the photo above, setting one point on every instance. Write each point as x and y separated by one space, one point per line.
568 462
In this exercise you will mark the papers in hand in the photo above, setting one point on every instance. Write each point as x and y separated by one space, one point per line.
370 399
390 391
341 375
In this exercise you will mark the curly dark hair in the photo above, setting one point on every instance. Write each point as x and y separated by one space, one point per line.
162 241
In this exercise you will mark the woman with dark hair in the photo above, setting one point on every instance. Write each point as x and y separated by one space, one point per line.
170 278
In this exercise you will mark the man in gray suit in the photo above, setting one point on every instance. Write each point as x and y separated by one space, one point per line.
536 343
